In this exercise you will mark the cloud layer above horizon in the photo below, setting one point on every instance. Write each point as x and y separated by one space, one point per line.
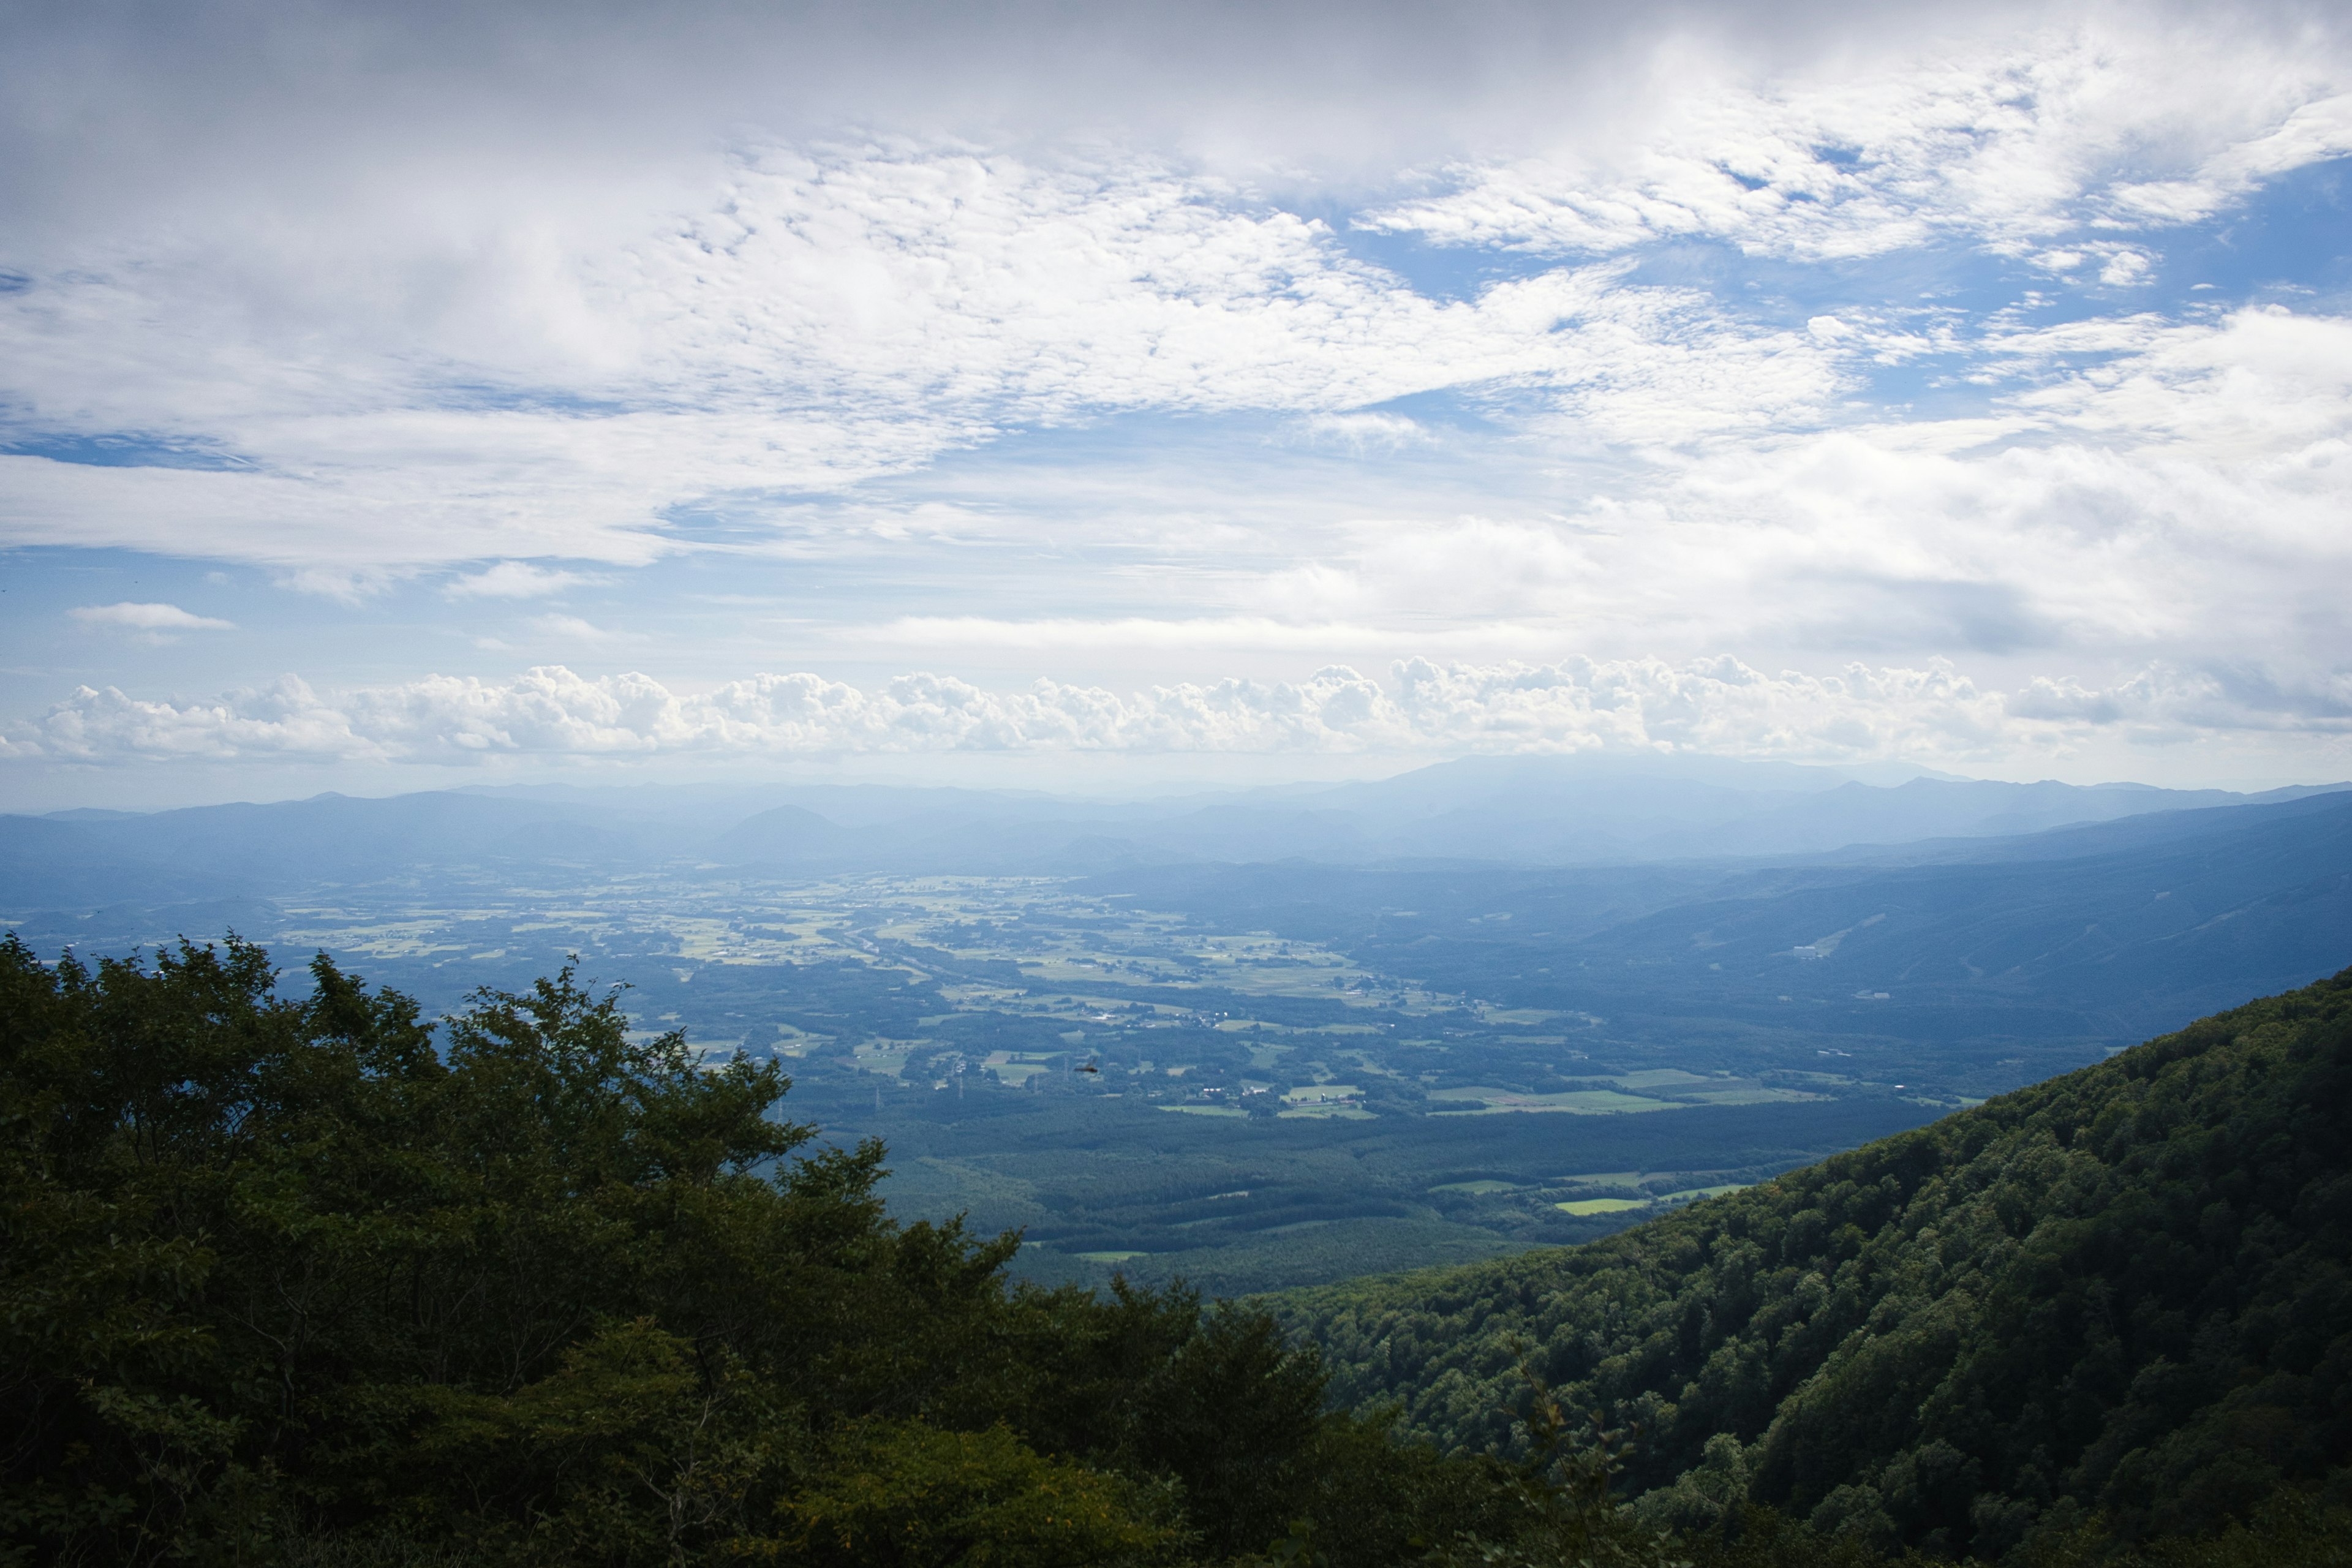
1718 707
1984 378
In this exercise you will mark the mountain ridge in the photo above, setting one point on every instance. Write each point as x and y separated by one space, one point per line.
2123 1292
1557 812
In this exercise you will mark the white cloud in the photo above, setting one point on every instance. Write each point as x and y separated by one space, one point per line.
2313 133
811 317
1718 706
512 580
286 720
1392 573
837 315
2163 701
986 289
1220 429
1364 432
148 618
2123 266
353 583
2001 145
2258 385
1064 634
2158 491
573 628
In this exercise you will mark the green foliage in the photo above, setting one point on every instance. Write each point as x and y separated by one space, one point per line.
1563 1495
293 1281
909 1494
302 1281
2291 1529
2122 1294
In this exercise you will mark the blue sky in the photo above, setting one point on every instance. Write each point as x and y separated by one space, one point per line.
395 400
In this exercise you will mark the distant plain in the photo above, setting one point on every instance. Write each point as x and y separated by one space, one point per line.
1119 1031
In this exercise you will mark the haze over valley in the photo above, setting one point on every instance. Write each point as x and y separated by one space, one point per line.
1468 1009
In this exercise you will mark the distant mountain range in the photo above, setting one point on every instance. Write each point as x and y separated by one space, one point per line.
2100 930
1962 934
1514 810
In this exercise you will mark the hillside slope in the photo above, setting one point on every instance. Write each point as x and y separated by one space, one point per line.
2123 1291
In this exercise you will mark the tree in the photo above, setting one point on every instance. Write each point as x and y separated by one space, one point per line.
286 1274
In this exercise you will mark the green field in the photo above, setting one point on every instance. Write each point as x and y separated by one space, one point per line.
1014 1040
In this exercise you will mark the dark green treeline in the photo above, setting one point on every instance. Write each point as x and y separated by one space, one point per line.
2125 1293
307 1281
295 1281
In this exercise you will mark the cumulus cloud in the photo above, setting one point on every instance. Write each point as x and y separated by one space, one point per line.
2162 698
1718 706
148 618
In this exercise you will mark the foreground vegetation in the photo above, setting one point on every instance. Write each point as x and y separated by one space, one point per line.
2121 1295
290 1281
293 1281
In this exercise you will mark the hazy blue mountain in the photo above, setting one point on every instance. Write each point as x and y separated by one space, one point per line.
2148 830
1580 811
781 836
215 849
2153 933
2103 932
1937 808
1521 811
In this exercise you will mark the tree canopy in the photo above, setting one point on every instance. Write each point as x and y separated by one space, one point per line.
2125 1293
305 1279
285 1272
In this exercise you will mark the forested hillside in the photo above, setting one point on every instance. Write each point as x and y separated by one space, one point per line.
304 1280
2123 1292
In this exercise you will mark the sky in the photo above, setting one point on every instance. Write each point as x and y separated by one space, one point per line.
1122 397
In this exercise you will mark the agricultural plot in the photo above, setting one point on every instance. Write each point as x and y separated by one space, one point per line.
1134 1090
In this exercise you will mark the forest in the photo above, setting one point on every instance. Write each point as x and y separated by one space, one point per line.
2122 1294
307 1279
